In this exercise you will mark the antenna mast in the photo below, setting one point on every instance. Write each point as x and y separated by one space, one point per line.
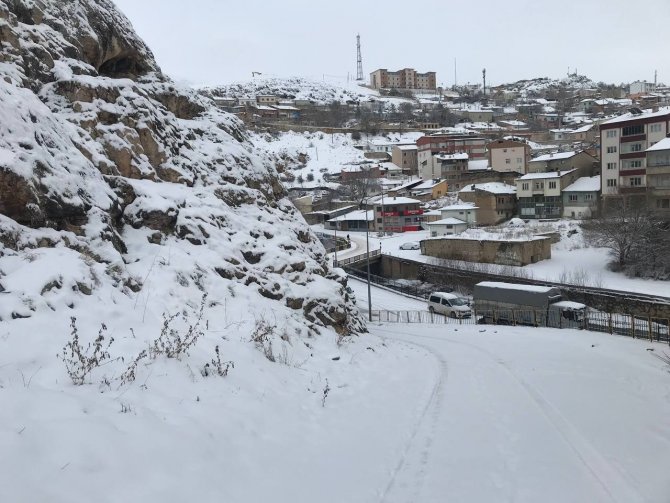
359 59
484 77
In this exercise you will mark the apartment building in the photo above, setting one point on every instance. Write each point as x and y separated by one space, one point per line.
539 194
397 214
407 78
509 156
624 141
658 177
429 145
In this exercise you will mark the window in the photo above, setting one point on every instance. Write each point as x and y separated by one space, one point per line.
636 181
636 147
524 186
611 133
588 197
611 165
636 164
539 185
611 183
552 185
519 160
611 150
655 128
631 130
572 197
663 203
508 161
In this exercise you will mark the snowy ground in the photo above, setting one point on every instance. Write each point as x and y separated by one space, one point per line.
406 413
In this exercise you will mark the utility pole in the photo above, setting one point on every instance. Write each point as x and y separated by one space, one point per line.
359 59
455 74
484 77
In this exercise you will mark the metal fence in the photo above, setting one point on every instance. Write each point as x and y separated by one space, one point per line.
357 258
652 329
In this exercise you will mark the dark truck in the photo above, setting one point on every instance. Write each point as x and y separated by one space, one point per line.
515 304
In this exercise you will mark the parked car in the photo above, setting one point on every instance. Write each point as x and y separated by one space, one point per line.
411 245
449 304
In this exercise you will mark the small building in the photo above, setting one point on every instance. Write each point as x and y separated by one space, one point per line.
496 201
465 211
446 166
446 227
405 156
357 220
267 99
581 198
564 161
516 252
429 190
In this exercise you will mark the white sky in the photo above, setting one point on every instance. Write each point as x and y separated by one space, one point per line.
220 41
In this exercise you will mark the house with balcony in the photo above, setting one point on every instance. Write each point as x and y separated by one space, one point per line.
624 142
658 177
539 195
496 202
581 199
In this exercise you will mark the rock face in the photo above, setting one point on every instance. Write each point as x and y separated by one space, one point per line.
103 154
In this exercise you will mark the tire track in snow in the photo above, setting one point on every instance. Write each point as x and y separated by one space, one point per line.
433 406
615 483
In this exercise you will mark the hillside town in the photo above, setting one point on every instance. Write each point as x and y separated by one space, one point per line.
448 160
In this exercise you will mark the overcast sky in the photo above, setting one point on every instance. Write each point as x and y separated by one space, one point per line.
223 41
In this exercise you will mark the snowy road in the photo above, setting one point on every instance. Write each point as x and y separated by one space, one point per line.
526 415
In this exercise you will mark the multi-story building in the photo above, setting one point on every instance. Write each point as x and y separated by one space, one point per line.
539 194
641 87
449 167
496 201
407 78
397 214
427 146
405 157
624 141
658 177
509 155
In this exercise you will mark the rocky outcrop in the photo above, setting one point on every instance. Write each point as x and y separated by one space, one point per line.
104 155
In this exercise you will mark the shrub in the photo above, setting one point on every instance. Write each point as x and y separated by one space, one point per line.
171 342
80 361
216 366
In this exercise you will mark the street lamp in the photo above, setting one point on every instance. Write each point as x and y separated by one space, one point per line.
367 246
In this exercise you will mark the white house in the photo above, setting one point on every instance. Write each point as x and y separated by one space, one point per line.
446 226
465 212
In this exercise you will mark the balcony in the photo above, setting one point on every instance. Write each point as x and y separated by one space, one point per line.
633 137
627 189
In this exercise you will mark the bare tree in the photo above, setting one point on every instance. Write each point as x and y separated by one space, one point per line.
637 240
358 188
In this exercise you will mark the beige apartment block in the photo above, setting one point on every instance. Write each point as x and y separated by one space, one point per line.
405 157
509 156
407 78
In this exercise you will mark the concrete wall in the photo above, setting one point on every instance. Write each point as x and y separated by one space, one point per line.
517 253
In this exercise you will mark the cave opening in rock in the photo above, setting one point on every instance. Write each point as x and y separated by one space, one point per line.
120 67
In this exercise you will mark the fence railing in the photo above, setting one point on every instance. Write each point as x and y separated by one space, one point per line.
357 258
652 329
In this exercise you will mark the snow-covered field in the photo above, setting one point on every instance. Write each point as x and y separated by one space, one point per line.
406 413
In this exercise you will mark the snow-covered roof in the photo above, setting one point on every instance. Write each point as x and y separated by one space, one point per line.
451 157
478 165
664 144
355 215
394 200
447 221
462 206
584 129
407 147
647 114
492 187
426 184
286 107
551 174
514 286
585 184
554 157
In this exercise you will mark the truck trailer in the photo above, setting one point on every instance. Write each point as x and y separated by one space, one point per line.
534 305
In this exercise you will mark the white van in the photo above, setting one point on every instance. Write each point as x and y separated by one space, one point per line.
449 305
